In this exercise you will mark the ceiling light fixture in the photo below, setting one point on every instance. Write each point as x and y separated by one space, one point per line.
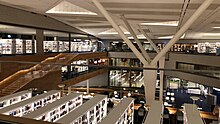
216 27
170 37
112 31
76 13
101 33
211 34
168 23
138 36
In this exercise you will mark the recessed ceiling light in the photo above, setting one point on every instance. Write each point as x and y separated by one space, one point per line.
138 36
112 31
211 34
216 27
76 13
167 23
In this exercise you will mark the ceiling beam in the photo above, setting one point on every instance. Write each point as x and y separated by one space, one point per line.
91 7
120 32
206 21
183 12
14 16
148 38
144 53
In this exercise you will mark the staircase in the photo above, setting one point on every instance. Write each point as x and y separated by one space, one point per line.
18 80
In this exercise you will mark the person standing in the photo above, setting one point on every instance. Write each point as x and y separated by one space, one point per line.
141 113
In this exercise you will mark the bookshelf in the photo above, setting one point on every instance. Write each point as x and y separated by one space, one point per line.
50 46
6 46
15 98
155 114
191 114
19 48
56 110
91 112
22 108
29 46
123 113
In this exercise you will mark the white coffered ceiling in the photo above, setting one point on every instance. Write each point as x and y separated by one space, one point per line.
136 12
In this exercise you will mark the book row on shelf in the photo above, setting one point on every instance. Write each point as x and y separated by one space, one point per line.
6 46
69 109
15 98
21 46
58 109
91 112
94 115
24 107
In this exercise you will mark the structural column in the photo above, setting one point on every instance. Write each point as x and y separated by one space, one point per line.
69 89
161 66
69 42
39 41
87 86
24 46
33 44
57 43
150 77
13 46
69 71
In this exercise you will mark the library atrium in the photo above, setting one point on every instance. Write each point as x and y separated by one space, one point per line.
110 62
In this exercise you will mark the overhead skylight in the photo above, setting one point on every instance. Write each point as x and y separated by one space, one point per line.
112 31
170 37
167 23
66 7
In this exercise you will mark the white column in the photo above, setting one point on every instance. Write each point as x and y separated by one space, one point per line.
13 46
87 86
39 41
150 77
182 30
145 54
161 65
58 46
24 46
69 89
120 32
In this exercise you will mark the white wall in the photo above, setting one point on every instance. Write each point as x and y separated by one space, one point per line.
194 59
99 80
